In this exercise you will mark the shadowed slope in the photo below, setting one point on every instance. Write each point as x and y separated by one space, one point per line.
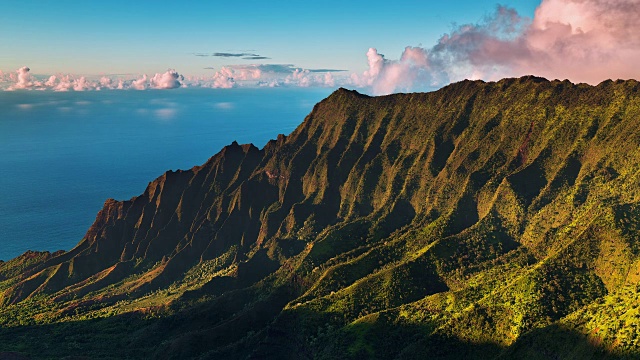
468 218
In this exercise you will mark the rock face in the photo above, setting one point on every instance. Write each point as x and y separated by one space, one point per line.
465 219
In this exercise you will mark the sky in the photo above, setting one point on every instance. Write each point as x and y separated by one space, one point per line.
379 46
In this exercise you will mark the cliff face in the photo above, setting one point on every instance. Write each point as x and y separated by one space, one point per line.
476 214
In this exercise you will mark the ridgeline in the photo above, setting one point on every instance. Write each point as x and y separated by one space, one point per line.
481 221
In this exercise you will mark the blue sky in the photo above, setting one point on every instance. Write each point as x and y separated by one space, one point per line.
113 37
380 47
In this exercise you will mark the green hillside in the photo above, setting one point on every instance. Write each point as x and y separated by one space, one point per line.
481 221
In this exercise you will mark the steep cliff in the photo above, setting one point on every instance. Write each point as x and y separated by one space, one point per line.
476 221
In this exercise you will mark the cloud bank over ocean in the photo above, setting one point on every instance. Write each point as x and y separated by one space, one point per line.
580 40
23 79
269 75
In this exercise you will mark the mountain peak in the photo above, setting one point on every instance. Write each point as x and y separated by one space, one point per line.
343 91
483 219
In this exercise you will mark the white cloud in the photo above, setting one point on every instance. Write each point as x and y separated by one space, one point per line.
271 75
51 82
81 84
222 79
226 77
106 82
168 80
22 79
580 40
413 70
329 81
140 84
65 83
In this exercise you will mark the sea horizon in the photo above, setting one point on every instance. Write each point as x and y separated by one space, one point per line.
65 153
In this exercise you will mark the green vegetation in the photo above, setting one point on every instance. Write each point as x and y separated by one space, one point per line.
481 221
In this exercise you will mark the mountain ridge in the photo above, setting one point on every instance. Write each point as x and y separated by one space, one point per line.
478 214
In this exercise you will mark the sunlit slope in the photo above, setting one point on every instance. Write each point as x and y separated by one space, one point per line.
484 220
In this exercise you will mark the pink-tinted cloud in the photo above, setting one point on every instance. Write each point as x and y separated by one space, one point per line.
22 79
588 40
226 77
223 79
168 80
306 78
51 82
140 84
329 81
81 84
271 75
106 82
581 40
68 82
245 73
414 70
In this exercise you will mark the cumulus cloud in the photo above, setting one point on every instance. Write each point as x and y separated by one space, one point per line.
69 82
168 80
299 77
51 82
276 75
140 84
22 79
245 73
106 82
81 84
414 70
228 76
588 40
225 77
329 80
63 83
582 40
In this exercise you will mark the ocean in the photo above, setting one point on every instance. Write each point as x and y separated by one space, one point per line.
62 154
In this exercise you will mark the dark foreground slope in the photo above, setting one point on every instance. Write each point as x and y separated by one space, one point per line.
481 221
